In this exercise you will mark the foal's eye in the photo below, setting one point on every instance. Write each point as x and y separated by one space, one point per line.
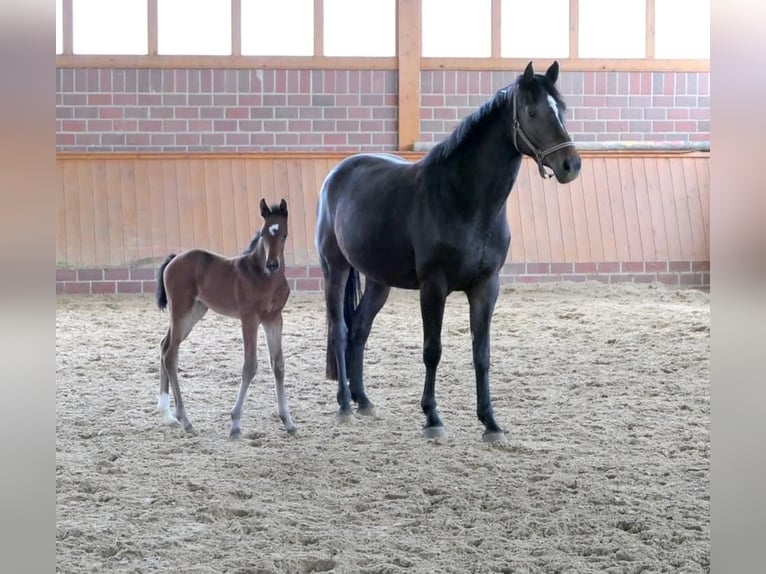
532 112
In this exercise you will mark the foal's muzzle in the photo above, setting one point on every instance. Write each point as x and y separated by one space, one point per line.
272 265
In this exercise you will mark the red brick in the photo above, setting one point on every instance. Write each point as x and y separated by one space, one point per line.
103 287
307 284
515 268
585 267
620 278
668 278
77 287
59 288
148 286
608 267
538 268
690 278
295 271
644 278
66 274
632 266
679 266
116 274
315 271
578 278
561 268
656 266
142 273
129 286
90 274
700 265
334 139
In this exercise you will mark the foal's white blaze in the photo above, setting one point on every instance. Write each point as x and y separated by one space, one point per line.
555 108
274 228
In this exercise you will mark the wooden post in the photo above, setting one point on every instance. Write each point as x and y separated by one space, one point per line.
408 42
649 55
152 31
236 27
574 19
67 35
318 28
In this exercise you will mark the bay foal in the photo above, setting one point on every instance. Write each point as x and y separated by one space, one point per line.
251 287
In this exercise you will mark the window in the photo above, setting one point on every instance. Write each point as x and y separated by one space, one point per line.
109 27
457 28
200 27
682 29
59 28
284 28
359 28
537 29
612 29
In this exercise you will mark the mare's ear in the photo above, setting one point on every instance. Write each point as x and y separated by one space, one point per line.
552 73
283 207
529 72
265 211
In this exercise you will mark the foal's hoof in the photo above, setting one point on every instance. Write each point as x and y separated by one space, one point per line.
169 420
435 432
368 411
235 434
497 437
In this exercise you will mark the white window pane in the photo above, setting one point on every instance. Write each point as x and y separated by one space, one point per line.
284 28
196 27
59 29
360 28
457 28
612 29
682 29
537 29
109 27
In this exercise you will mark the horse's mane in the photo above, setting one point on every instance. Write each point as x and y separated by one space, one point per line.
537 89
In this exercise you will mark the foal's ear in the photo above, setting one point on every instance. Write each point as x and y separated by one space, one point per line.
283 207
529 72
265 211
552 73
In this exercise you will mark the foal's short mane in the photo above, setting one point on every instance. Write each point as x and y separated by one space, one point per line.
534 90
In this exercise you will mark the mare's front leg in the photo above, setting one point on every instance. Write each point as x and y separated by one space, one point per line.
375 296
433 295
249 368
273 329
481 300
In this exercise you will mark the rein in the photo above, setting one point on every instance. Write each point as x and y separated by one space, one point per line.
538 154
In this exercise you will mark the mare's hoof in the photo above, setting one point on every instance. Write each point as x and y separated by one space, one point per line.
368 411
344 417
435 432
188 428
498 437
291 429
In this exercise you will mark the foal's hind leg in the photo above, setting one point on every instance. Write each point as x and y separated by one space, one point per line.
273 329
249 368
375 296
183 316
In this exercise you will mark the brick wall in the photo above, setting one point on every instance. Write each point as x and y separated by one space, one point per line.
141 280
345 110
603 106
225 110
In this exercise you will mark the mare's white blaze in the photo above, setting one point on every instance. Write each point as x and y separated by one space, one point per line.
273 228
555 108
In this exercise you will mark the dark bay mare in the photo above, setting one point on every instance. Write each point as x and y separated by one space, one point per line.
438 225
250 287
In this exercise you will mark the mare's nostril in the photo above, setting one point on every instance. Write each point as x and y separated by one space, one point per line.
567 165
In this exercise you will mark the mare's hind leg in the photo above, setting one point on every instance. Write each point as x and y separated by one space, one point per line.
183 316
335 278
273 329
375 296
249 368
481 300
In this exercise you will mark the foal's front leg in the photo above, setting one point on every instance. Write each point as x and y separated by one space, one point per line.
249 368
273 329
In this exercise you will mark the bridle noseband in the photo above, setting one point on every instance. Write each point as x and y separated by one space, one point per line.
538 154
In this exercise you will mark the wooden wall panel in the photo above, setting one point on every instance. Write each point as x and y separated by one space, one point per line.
117 210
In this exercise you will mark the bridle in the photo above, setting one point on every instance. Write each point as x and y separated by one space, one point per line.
539 155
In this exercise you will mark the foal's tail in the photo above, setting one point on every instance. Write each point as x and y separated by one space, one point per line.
351 297
161 294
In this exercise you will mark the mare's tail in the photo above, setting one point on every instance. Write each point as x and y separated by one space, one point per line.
161 294
351 297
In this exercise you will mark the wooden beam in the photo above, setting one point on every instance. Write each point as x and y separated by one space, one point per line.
570 65
408 41
224 62
574 28
649 29
496 27
152 22
67 33
236 27
318 28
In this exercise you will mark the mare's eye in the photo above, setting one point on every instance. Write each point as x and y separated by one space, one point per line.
532 112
